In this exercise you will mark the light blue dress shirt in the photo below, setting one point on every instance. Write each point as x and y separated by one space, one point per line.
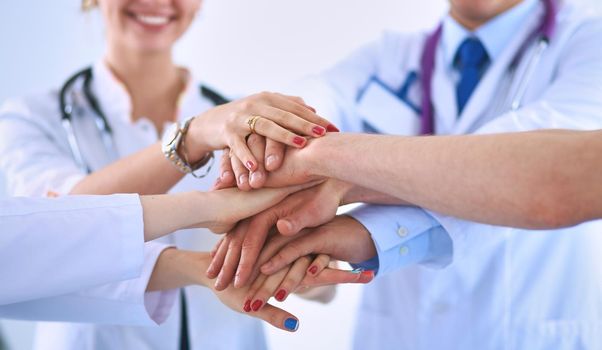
409 235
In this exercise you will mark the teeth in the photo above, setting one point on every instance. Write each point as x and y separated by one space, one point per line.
152 20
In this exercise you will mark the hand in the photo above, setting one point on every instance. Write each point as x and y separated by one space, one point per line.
178 268
298 277
308 208
224 215
344 238
296 165
284 119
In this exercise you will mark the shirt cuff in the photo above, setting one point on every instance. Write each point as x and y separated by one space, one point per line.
403 236
158 304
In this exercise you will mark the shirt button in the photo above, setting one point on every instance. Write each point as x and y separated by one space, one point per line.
402 232
404 250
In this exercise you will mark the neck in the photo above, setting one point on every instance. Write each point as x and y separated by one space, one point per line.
153 81
472 19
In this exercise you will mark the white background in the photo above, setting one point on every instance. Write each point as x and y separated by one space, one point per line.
238 46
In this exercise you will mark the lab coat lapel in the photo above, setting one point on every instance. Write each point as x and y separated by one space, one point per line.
444 97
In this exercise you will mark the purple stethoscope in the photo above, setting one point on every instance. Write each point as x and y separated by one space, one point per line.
545 31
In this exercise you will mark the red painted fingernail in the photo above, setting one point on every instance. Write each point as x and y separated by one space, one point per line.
257 305
313 270
368 273
332 128
247 306
318 130
250 165
298 140
280 295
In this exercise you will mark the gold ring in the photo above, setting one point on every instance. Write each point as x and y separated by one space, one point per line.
252 121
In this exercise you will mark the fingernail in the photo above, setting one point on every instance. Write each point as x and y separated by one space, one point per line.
311 108
291 324
358 270
256 176
226 174
237 283
242 179
368 273
247 307
271 159
266 267
288 225
257 305
280 295
332 128
250 165
318 130
313 270
298 140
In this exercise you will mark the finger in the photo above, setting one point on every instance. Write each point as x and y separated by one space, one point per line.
266 127
227 177
243 153
278 318
256 144
218 260
288 103
293 278
267 289
292 121
320 263
214 250
295 221
257 232
335 276
291 252
274 154
257 283
241 173
298 100
231 261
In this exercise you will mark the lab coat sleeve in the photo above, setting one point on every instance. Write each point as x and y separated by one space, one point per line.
34 156
50 247
403 236
119 303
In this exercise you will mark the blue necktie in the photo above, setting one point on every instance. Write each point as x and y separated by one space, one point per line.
471 60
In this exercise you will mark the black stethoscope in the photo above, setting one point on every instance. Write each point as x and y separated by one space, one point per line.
102 124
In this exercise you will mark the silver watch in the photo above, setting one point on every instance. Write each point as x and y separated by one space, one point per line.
171 142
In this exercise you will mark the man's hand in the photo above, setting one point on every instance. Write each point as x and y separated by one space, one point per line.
344 238
239 250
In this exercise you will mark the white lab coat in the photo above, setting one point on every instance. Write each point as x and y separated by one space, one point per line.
63 246
36 159
503 288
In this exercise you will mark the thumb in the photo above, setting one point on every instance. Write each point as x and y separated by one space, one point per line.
278 318
310 215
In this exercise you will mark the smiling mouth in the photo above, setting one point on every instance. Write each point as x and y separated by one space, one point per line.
152 20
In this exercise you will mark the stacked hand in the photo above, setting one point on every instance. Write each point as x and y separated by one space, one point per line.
289 246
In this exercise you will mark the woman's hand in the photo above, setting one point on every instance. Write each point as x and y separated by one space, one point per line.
281 118
303 274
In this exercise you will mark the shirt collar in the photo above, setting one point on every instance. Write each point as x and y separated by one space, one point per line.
495 34
114 98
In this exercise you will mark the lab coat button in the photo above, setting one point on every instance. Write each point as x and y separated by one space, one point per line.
404 250
402 232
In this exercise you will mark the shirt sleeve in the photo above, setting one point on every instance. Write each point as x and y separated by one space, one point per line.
403 236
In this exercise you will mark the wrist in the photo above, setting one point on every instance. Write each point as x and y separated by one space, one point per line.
319 154
196 142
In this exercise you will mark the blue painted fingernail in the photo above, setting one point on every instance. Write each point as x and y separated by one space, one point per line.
291 324
358 270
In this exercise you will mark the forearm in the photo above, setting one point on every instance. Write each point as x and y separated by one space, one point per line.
537 179
145 172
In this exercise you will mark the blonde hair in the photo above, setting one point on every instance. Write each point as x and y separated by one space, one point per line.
88 5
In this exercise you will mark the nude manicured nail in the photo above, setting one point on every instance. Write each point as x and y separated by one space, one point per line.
271 159
226 174
242 179
256 176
